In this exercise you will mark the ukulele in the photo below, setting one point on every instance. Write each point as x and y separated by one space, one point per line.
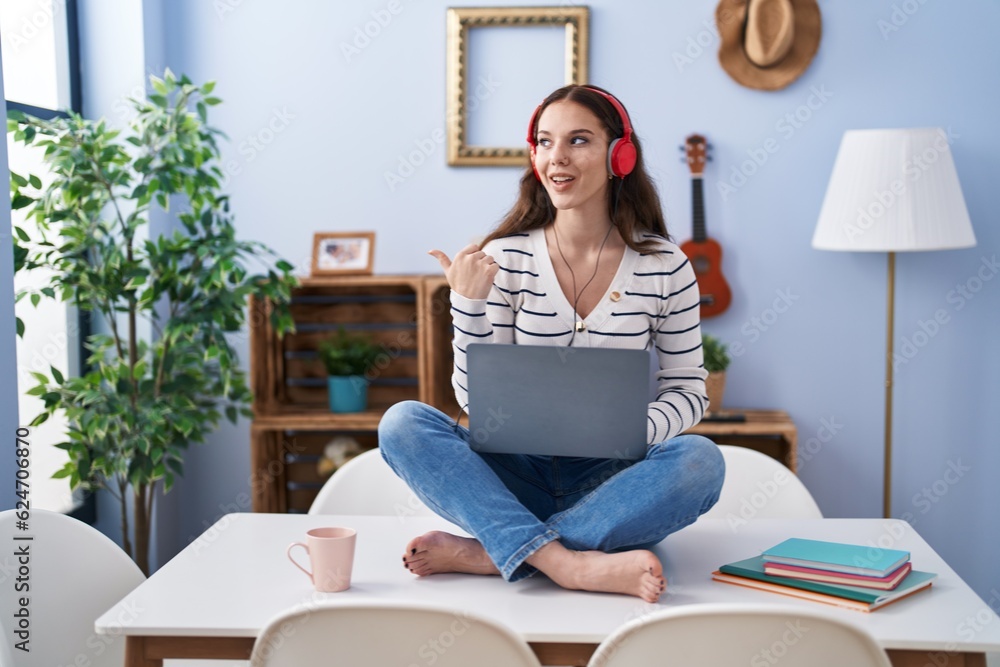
704 253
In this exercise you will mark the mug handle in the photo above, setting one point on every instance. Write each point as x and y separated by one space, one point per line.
288 552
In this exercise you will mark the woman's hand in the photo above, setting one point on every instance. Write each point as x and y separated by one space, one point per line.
471 273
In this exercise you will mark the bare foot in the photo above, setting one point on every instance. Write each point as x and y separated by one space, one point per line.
437 552
637 573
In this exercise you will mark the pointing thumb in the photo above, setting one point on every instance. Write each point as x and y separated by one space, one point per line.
442 258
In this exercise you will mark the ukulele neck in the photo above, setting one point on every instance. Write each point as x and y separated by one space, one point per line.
698 209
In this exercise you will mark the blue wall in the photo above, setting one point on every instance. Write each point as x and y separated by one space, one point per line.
328 128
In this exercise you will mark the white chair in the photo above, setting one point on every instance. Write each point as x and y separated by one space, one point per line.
5 655
371 633
760 487
712 635
74 574
367 486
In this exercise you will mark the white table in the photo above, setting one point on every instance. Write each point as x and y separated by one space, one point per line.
213 599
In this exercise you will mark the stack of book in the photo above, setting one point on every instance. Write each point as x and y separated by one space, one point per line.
846 575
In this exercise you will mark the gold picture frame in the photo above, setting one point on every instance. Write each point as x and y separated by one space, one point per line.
575 19
343 253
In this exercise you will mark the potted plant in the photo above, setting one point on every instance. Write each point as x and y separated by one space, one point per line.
348 358
716 362
142 398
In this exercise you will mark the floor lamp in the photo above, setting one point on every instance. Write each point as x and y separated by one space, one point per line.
893 191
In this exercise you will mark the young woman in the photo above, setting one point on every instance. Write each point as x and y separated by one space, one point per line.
583 259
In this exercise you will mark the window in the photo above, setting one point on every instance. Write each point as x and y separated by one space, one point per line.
36 64
41 77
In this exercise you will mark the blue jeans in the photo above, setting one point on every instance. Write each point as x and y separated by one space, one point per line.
515 504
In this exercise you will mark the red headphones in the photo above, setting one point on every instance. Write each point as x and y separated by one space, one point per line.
621 152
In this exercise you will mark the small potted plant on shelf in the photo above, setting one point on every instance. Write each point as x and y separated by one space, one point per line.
716 362
348 358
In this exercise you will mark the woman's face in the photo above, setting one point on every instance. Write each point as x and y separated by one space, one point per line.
571 157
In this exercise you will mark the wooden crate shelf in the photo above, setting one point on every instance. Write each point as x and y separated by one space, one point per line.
409 315
440 358
287 372
285 461
321 419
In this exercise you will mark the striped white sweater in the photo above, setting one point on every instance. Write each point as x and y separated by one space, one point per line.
657 308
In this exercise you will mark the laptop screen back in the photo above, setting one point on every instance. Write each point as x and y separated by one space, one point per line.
558 401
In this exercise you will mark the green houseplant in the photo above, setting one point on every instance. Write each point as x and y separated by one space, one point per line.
141 400
348 358
716 362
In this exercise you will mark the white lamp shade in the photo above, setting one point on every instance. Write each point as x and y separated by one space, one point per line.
894 190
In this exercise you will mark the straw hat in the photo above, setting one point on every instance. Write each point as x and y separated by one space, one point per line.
767 44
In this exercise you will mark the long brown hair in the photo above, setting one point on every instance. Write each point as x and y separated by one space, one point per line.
638 206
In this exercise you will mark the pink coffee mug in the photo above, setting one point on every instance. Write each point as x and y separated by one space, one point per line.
331 553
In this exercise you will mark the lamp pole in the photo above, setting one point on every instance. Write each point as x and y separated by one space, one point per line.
887 472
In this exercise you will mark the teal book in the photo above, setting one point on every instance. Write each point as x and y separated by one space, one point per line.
837 557
753 569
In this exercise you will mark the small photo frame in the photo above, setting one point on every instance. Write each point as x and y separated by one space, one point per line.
343 253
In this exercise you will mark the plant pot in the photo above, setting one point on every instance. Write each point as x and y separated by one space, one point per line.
348 393
715 386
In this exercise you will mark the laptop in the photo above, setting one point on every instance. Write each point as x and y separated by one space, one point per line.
558 401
